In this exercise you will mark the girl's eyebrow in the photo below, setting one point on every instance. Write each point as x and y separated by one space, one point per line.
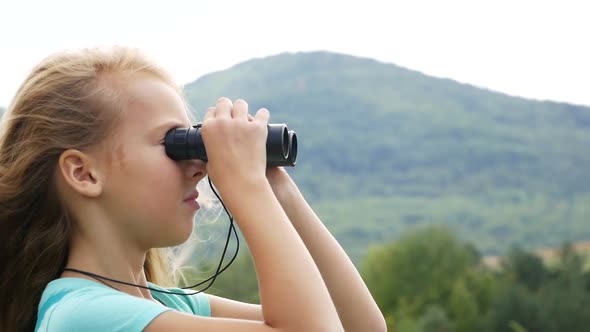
167 126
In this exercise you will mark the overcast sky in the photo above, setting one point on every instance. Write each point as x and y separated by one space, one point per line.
535 49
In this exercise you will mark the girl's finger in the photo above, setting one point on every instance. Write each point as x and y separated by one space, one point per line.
240 110
262 115
223 108
209 114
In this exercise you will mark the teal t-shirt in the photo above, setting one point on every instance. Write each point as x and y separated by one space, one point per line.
76 304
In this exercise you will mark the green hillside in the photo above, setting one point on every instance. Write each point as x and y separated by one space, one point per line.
383 148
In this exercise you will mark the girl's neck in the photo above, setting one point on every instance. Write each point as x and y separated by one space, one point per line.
113 259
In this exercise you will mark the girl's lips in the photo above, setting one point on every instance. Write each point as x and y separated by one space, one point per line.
192 203
194 195
191 200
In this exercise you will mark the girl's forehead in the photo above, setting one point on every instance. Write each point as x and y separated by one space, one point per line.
153 102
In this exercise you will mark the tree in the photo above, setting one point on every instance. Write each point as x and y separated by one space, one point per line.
418 271
564 301
435 319
525 268
463 307
514 303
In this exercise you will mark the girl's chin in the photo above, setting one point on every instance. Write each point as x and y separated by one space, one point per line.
184 232
175 237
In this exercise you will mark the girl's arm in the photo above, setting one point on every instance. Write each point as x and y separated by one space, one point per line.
356 307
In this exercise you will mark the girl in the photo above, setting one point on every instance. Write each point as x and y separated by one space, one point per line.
87 192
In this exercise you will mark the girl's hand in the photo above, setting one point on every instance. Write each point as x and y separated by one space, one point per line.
235 144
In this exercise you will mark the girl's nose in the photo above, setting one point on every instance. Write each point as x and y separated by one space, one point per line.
194 168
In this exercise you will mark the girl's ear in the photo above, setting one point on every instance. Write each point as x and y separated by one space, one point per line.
81 172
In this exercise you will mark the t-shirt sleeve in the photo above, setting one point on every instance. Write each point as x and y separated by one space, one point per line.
198 303
91 311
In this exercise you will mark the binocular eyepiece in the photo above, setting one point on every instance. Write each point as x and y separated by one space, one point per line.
187 143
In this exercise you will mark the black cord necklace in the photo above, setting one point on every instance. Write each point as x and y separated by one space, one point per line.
104 283
212 278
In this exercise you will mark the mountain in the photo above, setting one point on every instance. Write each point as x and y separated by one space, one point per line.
383 148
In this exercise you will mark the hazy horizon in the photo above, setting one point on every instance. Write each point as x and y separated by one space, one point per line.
530 49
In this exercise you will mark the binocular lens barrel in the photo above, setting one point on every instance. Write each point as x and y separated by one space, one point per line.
187 143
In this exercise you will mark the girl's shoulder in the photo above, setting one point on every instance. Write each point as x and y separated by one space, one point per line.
81 304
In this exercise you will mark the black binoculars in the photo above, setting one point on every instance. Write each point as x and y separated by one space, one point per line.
187 143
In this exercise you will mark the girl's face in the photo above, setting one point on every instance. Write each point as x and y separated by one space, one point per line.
145 192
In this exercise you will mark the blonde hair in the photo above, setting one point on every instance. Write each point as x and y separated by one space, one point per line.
69 101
